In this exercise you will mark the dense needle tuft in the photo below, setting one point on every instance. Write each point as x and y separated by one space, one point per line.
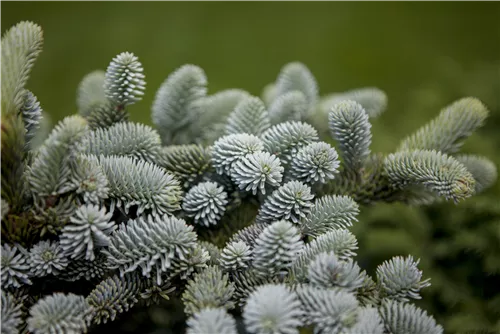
292 201
229 149
205 203
89 228
211 320
59 313
14 266
273 309
276 248
316 162
236 255
124 82
257 171
47 257
401 279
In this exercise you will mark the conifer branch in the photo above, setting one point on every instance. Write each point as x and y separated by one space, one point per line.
59 313
211 320
150 244
285 139
21 46
291 106
436 171
174 105
482 169
124 139
187 162
328 213
208 289
372 99
341 242
272 309
249 116
124 80
296 76
449 129
350 127
214 112
91 92
141 183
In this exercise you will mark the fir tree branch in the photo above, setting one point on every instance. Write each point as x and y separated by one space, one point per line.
249 116
350 127
449 129
90 92
21 46
173 108
136 182
436 171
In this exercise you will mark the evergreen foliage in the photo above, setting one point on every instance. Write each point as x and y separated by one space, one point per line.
350 127
174 107
296 76
292 201
89 228
11 314
206 203
15 266
214 112
32 116
124 139
249 116
272 309
187 162
326 271
231 204
372 99
113 296
276 248
211 320
257 171
124 81
46 258
209 288
229 149
289 106
142 184
447 131
400 286
329 212
438 172
400 317
285 139
316 162
59 313
90 92
150 243
21 46
236 255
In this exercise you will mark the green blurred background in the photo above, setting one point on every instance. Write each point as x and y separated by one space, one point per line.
424 55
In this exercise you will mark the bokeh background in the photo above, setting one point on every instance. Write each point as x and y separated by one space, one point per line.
424 55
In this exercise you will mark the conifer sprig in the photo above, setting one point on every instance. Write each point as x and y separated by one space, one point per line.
150 244
141 184
350 127
436 171
174 107
21 46
91 92
249 116
447 131
124 81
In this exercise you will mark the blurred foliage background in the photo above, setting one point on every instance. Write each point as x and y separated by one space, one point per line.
423 55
